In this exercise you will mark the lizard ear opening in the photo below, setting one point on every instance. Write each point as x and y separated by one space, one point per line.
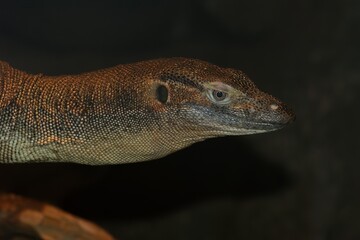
162 93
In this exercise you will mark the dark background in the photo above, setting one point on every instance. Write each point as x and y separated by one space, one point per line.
298 183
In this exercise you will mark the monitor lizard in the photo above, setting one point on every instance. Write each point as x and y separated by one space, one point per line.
128 113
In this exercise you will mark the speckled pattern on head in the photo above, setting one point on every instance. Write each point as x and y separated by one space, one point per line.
128 113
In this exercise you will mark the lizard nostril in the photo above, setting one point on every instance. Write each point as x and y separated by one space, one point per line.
274 107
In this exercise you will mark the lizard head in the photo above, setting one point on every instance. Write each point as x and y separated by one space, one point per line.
213 101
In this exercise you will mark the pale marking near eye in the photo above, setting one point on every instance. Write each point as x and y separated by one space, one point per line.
219 86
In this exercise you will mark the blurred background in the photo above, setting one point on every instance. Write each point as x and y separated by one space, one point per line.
302 182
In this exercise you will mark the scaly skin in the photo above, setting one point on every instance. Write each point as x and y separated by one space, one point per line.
128 113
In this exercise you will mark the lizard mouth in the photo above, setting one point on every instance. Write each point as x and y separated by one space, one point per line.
229 122
245 128
268 125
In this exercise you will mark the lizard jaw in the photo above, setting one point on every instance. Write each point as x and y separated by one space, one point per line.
222 122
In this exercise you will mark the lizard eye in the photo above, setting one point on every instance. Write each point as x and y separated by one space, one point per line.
218 97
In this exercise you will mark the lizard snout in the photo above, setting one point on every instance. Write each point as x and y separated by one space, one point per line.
274 114
280 113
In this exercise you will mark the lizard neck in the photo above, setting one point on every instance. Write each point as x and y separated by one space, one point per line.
11 83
